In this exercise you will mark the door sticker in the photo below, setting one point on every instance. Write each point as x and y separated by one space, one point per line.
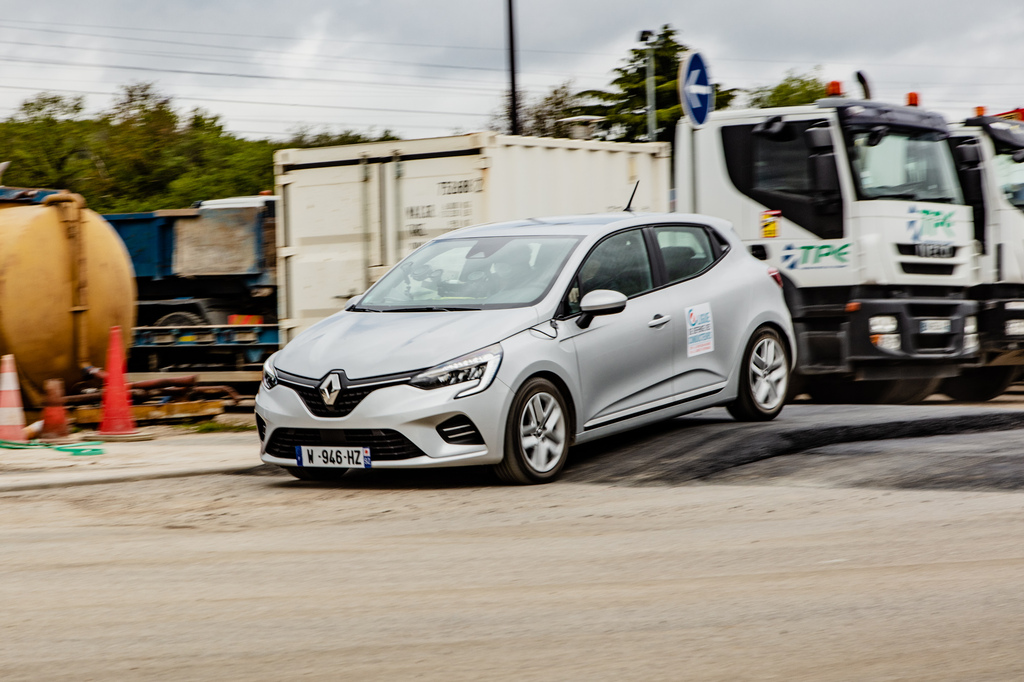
770 224
700 331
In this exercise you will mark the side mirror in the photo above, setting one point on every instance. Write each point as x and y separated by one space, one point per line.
818 139
876 135
967 155
600 302
1018 156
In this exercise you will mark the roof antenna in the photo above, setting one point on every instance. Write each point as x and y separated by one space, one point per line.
629 206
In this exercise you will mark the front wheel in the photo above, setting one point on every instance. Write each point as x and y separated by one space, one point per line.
536 435
764 378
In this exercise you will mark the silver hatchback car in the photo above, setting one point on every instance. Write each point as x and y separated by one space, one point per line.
505 344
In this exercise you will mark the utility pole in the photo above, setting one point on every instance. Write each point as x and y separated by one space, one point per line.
514 98
652 112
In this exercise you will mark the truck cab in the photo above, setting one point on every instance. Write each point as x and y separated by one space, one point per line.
990 161
859 206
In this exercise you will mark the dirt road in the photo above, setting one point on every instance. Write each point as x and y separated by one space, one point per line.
258 578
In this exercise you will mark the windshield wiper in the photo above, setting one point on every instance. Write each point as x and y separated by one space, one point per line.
360 309
428 309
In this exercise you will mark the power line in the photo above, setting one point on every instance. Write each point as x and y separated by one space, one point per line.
326 40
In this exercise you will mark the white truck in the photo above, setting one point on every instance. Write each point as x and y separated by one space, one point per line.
858 204
349 213
990 157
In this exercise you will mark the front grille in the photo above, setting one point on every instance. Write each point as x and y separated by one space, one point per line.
384 444
351 394
343 404
927 269
459 430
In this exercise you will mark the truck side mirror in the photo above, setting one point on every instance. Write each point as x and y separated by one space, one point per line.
967 155
971 185
818 139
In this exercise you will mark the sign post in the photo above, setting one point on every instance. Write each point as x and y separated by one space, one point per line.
697 96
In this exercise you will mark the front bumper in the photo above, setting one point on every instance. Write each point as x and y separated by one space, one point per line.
398 423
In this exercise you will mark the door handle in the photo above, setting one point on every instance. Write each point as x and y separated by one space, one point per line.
658 320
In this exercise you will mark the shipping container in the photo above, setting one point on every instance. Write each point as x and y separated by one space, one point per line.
349 213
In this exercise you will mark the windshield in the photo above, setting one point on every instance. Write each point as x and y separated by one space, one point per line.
1010 176
903 165
471 274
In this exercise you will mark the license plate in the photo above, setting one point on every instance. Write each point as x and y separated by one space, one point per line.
327 456
935 326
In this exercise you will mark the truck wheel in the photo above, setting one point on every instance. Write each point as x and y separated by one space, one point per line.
536 435
314 474
179 319
764 378
978 384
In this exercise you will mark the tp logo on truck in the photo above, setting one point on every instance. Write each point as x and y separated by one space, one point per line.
816 256
926 225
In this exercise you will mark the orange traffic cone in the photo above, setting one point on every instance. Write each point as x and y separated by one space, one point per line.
117 409
12 416
55 420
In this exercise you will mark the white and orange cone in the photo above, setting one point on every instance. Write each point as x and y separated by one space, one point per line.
12 415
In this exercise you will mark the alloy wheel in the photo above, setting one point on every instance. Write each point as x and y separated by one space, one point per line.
542 432
769 374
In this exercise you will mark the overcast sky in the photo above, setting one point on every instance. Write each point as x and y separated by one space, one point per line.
423 68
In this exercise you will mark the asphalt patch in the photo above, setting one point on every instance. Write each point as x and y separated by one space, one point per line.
707 443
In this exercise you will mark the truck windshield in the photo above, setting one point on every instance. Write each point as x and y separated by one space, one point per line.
471 274
1010 176
904 165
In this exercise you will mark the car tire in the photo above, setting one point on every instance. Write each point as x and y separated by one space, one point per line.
316 473
537 435
979 384
764 378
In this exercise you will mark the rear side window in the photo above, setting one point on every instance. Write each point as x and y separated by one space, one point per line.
686 251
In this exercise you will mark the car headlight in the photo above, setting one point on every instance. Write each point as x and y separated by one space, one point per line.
477 369
269 373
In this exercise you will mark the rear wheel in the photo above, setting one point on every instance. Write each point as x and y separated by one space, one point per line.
536 435
764 378
978 384
316 474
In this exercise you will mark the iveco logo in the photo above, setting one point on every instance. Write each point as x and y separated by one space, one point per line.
329 388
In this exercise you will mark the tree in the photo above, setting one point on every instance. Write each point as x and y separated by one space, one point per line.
625 105
541 117
45 141
793 90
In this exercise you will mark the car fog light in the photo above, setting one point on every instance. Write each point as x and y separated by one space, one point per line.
971 344
886 341
1015 327
883 324
970 325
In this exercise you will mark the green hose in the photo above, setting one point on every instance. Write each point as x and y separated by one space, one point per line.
75 449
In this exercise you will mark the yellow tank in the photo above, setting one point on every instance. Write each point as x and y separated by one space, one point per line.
65 280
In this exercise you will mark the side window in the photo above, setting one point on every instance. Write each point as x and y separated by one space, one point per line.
685 250
775 171
619 263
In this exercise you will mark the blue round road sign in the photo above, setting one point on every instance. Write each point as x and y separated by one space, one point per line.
695 91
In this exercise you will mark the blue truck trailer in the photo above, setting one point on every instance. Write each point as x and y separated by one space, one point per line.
207 287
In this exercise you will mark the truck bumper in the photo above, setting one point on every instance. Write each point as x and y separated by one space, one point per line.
891 339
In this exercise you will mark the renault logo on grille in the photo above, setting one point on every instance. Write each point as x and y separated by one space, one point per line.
329 388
